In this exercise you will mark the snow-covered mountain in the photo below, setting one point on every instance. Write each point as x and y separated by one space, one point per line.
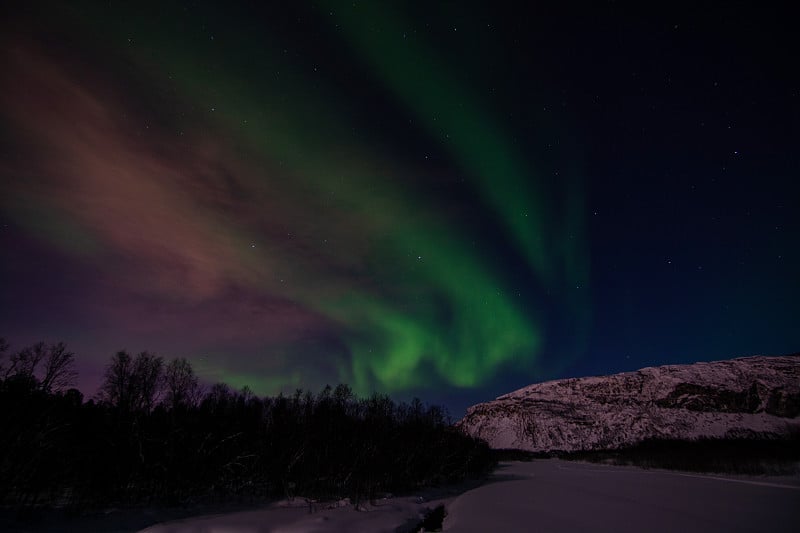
746 397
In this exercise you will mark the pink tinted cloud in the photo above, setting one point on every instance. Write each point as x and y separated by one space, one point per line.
235 317
174 254
138 196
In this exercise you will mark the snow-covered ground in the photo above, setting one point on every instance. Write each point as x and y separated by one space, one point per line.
386 515
552 496
555 496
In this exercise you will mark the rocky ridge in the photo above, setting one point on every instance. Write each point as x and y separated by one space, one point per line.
749 397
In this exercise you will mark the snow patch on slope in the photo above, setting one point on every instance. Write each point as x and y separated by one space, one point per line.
746 397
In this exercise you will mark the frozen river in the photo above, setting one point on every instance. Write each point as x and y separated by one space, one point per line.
552 496
558 496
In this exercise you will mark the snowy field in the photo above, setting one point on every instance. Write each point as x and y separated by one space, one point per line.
558 496
550 496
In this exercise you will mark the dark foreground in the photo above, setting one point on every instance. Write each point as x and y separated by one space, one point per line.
554 496
543 495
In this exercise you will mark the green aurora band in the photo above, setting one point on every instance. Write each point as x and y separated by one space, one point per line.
414 300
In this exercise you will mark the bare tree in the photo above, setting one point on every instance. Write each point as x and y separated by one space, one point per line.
24 362
180 383
59 368
218 397
148 371
4 346
48 368
118 381
132 384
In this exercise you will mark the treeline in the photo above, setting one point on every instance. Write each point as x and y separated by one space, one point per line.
152 435
751 456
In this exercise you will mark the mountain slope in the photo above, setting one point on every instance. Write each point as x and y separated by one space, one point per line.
746 397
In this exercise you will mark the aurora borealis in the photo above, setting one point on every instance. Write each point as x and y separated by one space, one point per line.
412 200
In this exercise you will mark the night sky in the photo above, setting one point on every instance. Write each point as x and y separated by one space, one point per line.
433 199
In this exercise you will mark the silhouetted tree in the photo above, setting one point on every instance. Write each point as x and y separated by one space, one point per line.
133 384
118 383
47 368
128 448
218 398
24 362
59 368
148 371
4 346
181 385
